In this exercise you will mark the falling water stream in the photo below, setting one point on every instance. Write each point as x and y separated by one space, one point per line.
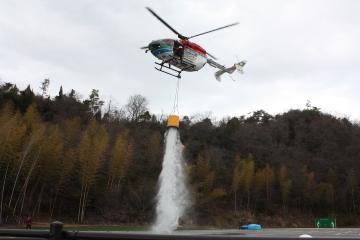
173 197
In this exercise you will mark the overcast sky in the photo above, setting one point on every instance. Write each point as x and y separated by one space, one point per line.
296 51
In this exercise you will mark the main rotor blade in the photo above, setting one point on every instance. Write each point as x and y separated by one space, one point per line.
216 29
165 23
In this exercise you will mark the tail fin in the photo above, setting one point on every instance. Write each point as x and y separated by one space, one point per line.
237 66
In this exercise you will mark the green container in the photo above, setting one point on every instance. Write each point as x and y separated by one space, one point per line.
325 223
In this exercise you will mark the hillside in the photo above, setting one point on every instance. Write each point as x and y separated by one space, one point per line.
78 161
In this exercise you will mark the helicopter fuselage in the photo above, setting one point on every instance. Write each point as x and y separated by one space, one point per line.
183 54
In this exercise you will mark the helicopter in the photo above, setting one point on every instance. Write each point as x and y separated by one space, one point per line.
183 55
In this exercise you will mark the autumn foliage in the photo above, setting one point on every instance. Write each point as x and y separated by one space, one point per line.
78 161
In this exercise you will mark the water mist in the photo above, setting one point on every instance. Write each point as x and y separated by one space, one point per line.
173 197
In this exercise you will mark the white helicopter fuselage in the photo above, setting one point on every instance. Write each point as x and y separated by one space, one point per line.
183 54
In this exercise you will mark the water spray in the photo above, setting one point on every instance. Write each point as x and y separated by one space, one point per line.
173 196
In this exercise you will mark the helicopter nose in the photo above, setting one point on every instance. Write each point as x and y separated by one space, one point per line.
161 49
154 45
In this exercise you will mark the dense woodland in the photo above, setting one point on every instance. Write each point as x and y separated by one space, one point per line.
79 161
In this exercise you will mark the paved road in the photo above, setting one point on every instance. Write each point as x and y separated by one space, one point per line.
230 234
283 232
353 233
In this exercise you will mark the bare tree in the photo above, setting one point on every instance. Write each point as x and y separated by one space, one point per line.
44 87
136 107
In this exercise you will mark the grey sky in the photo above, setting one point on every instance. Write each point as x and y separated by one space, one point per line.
296 51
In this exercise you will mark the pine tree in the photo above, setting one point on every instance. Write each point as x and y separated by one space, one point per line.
61 94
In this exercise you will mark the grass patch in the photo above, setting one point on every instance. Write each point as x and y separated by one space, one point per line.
83 227
104 228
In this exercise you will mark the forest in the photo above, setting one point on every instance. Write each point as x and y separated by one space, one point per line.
79 161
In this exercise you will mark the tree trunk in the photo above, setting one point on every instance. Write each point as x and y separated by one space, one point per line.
52 206
33 193
83 203
267 191
353 200
38 203
2 193
86 193
24 187
19 170
248 200
80 203
235 201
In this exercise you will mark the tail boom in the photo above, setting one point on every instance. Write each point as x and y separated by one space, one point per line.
237 66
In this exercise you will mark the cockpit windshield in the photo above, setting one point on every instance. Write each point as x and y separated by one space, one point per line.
154 46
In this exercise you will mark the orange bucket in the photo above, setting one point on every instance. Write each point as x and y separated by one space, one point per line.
173 121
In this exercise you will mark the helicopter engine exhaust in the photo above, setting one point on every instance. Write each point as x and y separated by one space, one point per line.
237 66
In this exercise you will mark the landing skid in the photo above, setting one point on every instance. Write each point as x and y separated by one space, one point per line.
173 72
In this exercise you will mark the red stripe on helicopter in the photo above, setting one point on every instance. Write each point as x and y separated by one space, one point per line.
193 46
